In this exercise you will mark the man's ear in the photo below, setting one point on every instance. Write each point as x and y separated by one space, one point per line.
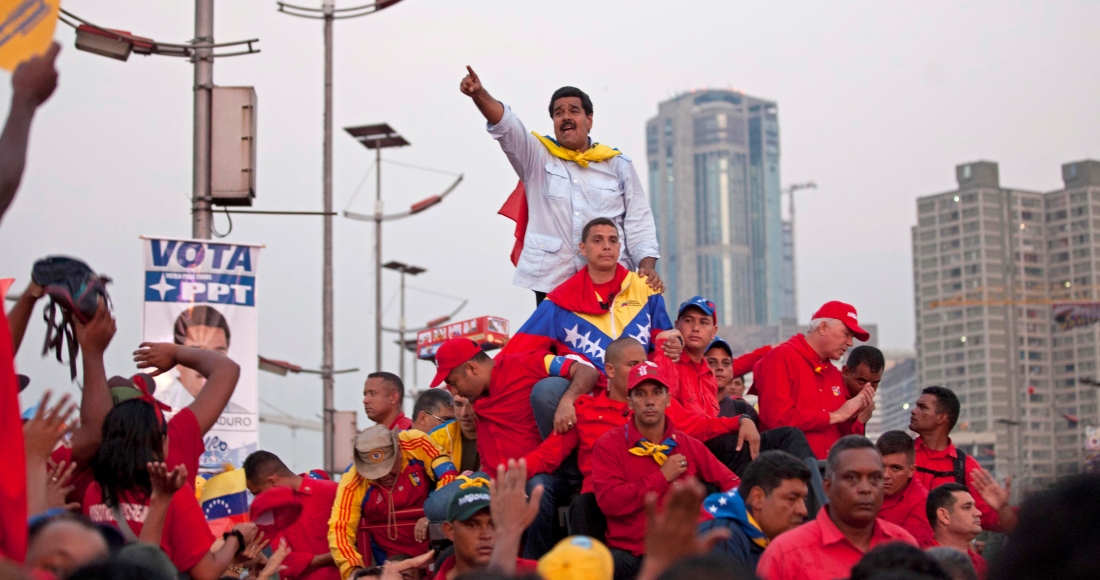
943 516
756 499
609 370
449 531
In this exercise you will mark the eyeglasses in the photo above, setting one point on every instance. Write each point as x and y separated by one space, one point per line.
438 418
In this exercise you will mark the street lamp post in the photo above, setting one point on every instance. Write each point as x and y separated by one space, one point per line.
790 201
411 271
328 12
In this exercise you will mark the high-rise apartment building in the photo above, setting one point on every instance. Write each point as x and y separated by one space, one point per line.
988 263
715 192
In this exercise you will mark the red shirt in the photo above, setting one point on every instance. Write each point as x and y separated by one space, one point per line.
621 479
506 427
980 565
308 536
944 461
798 388
693 383
600 414
906 509
818 550
186 537
400 423
522 567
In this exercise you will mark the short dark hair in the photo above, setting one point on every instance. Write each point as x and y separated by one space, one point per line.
769 470
431 400
586 102
957 564
867 355
707 567
941 497
199 315
845 443
600 221
616 347
946 402
261 464
897 556
393 380
892 442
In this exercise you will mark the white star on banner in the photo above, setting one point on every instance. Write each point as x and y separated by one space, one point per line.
721 501
163 287
572 336
713 509
643 331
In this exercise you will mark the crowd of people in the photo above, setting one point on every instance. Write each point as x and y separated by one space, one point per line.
608 439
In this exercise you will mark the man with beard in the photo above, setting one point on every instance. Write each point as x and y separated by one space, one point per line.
844 530
569 180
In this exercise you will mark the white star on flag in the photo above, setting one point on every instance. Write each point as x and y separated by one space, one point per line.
572 336
643 331
713 509
163 287
721 501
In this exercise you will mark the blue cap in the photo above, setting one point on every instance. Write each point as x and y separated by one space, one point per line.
698 302
718 342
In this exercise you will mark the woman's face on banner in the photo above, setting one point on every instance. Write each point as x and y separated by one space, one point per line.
206 337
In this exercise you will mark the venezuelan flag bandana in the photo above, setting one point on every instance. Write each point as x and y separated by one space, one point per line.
659 453
596 152
730 505
472 482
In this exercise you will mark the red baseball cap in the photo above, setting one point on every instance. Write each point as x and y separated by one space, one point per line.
845 313
276 509
646 371
451 355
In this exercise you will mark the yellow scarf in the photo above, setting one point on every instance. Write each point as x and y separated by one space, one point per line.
646 449
472 482
596 152
762 541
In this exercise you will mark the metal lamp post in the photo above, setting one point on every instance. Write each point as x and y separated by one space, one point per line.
328 12
411 271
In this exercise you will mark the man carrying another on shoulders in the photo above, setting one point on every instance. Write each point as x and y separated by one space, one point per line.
844 530
956 521
903 503
382 396
569 181
799 386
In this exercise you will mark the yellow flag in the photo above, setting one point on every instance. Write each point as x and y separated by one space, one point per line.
26 29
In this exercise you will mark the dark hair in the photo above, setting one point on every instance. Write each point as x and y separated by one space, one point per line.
431 400
112 569
946 402
586 102
1056 535
845 443
941 497
200 315
867 355
707 567
133 435
261 464
897 556
42 523
600 221
892 442
617 346
769 470
957 564
392 380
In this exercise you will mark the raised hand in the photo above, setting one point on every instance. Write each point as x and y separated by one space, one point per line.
97 334
471 84
274 563
59 487
672 534
160 356
166 483
48 426
35 80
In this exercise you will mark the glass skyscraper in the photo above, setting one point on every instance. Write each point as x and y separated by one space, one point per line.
713 160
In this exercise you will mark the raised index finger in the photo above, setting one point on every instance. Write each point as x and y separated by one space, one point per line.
471 70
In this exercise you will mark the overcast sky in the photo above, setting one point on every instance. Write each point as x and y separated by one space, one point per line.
877 104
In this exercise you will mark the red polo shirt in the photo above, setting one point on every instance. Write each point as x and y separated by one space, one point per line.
400 423
818 550
621 479
693 383
308 536
523 567
598 415
906 509
944 461
506 427
797 388
980 565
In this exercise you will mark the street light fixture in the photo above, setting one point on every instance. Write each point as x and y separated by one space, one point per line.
411 271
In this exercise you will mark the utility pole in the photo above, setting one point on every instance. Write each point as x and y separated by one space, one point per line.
378 209
201 215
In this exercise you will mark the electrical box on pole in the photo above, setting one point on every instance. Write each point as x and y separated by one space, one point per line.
233 146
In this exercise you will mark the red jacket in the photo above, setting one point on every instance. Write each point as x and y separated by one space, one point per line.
622 480
308 536
694 384
944 461
906 509
799 389
600 414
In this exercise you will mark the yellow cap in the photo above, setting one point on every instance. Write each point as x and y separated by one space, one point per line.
577 558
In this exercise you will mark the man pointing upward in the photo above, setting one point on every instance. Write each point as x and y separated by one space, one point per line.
569 181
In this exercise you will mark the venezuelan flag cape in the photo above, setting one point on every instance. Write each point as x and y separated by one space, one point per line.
224 501
575 319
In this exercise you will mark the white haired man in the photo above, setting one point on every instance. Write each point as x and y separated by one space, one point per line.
799 386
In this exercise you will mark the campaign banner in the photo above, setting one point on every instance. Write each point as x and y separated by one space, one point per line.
203 294
1074 314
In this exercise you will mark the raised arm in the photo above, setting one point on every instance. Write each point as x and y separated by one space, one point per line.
20 314
95 402
32 83
491 108
221 375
